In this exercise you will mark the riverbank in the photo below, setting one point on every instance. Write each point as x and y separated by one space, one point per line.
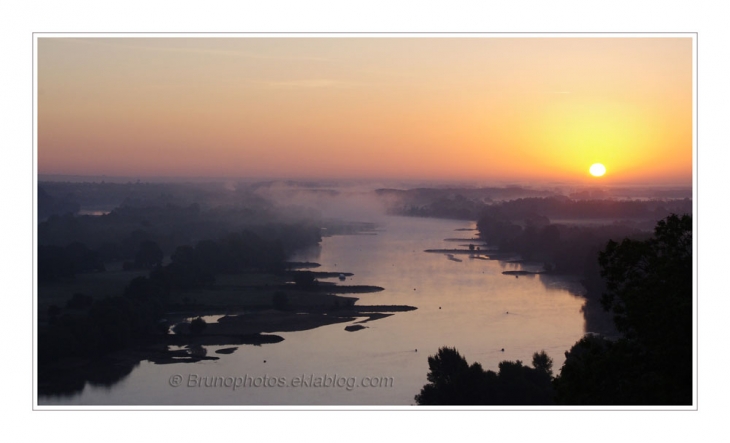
246 309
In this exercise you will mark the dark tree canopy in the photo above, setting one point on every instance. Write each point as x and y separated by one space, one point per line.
452 381
649 292
650 283
197 326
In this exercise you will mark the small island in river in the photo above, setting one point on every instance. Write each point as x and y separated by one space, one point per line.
521 272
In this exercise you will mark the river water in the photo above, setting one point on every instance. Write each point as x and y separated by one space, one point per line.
468 304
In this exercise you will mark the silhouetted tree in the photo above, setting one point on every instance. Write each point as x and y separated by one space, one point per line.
197 326
650 284
649 291
454 382
451 380
598 371
543 363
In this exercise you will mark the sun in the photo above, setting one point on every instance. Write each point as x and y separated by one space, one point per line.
597 169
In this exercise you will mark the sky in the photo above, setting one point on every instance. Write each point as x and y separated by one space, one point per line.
477 108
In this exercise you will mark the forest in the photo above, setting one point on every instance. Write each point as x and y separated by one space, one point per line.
114 260
649 293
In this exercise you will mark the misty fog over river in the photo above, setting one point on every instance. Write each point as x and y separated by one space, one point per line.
466 304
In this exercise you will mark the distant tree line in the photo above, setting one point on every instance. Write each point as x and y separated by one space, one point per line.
563 249
117 235
258 246
567 208
101 194
87 328
459 203
473 205
196 267
566 248
49 205
157 228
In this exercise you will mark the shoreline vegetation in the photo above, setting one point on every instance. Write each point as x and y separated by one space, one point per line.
649 361
249 314
124 286
97 325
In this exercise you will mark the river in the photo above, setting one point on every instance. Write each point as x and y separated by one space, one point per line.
468 304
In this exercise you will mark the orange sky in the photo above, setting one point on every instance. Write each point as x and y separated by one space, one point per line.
476 108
